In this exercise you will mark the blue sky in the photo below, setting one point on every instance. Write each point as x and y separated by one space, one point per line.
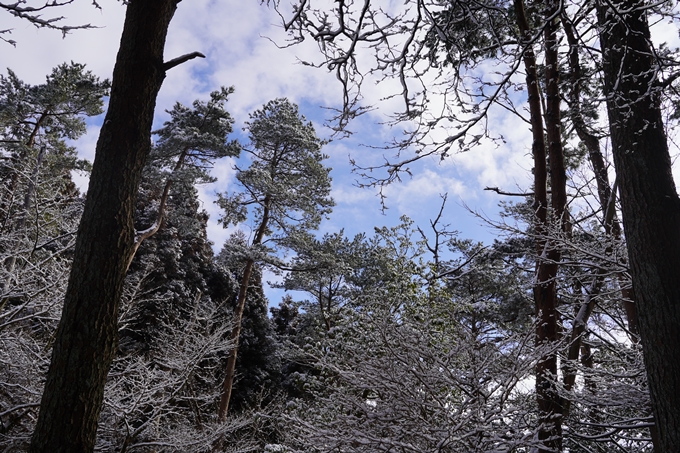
236 36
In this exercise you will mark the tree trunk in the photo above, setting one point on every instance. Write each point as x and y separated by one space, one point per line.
23 216
592 143
228 383
545 291
85 340
547 331
649 203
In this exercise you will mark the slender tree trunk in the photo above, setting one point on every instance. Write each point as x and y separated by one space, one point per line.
649 203
141 236
545 292
23 216
538 140
6 199
85 341
228 383
592 143
578 330
549 402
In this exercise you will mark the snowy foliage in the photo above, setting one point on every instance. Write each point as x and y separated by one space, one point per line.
40 209
402 370
396 351
174 320
195 137
405 341
286 177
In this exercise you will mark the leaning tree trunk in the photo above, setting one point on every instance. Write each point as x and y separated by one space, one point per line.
649 203
85 340
230 374
612 226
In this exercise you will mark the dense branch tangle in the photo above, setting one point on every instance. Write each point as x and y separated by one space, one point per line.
435 51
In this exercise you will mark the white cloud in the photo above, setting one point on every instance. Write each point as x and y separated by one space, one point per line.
427 185
351 195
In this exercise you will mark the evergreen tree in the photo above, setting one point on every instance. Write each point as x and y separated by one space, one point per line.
411 365
327 270
175 314
41 208
188 145
174 328
257 379
35 122
289 187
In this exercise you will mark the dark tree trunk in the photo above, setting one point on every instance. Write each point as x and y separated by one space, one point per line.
545 291
547 331
649 203
85 341
230 374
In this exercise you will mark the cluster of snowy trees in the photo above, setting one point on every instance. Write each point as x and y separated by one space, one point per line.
174 319
121 331
576 61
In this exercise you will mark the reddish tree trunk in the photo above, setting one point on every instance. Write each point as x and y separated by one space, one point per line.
545 293
549 402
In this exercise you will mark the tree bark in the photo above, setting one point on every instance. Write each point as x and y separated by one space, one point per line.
649 203
85 340
547 331
228 383
545 291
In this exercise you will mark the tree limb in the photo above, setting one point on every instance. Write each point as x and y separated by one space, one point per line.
179 60
510 194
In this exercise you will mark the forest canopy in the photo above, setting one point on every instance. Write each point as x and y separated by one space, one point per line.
123 327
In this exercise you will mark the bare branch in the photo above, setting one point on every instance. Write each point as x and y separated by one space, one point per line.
33 14
179 60
510 194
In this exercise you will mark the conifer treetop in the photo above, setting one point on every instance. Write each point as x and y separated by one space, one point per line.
286 176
